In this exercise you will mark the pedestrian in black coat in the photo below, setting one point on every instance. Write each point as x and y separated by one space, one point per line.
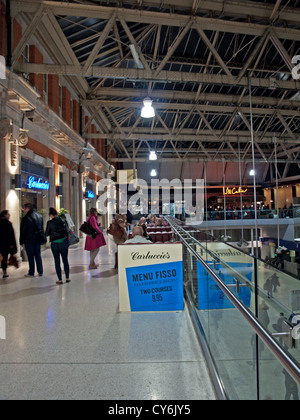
31 224
8 243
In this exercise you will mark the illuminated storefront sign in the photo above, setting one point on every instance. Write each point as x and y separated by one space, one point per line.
37 184
234 191
90 194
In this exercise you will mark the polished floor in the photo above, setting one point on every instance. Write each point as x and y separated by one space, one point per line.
70 341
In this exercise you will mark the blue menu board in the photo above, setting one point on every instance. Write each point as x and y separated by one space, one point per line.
210 296
156 287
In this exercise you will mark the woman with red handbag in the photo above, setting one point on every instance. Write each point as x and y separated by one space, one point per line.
8 243
93 244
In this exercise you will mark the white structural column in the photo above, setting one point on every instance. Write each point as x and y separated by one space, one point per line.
9 197
66 187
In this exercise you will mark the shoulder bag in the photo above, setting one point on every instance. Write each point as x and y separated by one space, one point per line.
88 230
40 234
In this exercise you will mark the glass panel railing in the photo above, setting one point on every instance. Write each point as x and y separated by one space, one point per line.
279 308
228 334
246 214
274 383
270 298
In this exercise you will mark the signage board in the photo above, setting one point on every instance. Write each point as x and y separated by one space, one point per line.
234 191
69 221
227 262
34 183
150 277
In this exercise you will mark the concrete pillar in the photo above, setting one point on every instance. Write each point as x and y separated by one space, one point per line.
52 190
81 201
76 211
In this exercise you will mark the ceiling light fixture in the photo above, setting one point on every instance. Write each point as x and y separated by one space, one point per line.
153 155
153 173
148 110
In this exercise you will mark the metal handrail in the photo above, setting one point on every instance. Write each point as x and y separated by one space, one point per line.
236 274
290 364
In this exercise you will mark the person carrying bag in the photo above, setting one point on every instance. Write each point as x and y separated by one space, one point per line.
58 231
94 242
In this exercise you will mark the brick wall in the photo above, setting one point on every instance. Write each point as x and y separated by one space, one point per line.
66 105
99 144
36 79
46 152
53 92
76 113
17 34
2 29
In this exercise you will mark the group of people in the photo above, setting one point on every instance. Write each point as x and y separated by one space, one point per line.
32 236
32 232
140 230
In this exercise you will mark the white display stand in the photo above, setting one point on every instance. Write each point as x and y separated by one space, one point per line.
150 277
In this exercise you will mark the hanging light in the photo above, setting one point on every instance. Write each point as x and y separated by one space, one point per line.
153 173
148 110
252 172
152 155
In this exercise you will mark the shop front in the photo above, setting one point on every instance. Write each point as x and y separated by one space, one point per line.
35 187
90 196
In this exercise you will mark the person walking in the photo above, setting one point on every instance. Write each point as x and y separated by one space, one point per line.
31 226
58 231
94 244
8 243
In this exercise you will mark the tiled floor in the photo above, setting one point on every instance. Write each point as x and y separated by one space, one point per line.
70 341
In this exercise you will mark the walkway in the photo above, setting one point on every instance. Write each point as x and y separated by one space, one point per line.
70 342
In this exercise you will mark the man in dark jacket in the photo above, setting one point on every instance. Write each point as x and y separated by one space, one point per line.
31 224
7 240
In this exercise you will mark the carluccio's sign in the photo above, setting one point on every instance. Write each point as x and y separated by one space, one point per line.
150 277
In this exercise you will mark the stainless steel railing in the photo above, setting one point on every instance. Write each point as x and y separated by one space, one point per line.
289 363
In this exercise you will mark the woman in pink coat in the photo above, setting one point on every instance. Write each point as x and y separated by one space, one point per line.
94 245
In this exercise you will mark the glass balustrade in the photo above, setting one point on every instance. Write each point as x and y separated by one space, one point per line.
246 366
248 214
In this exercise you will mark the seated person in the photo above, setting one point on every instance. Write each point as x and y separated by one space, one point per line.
137 236
158 222
151 220
145 233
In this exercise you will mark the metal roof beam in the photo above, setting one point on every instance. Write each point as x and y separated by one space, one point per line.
203 136
172 107
190 96
31 28
235 8
149 75
99 43
213 51
156 18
